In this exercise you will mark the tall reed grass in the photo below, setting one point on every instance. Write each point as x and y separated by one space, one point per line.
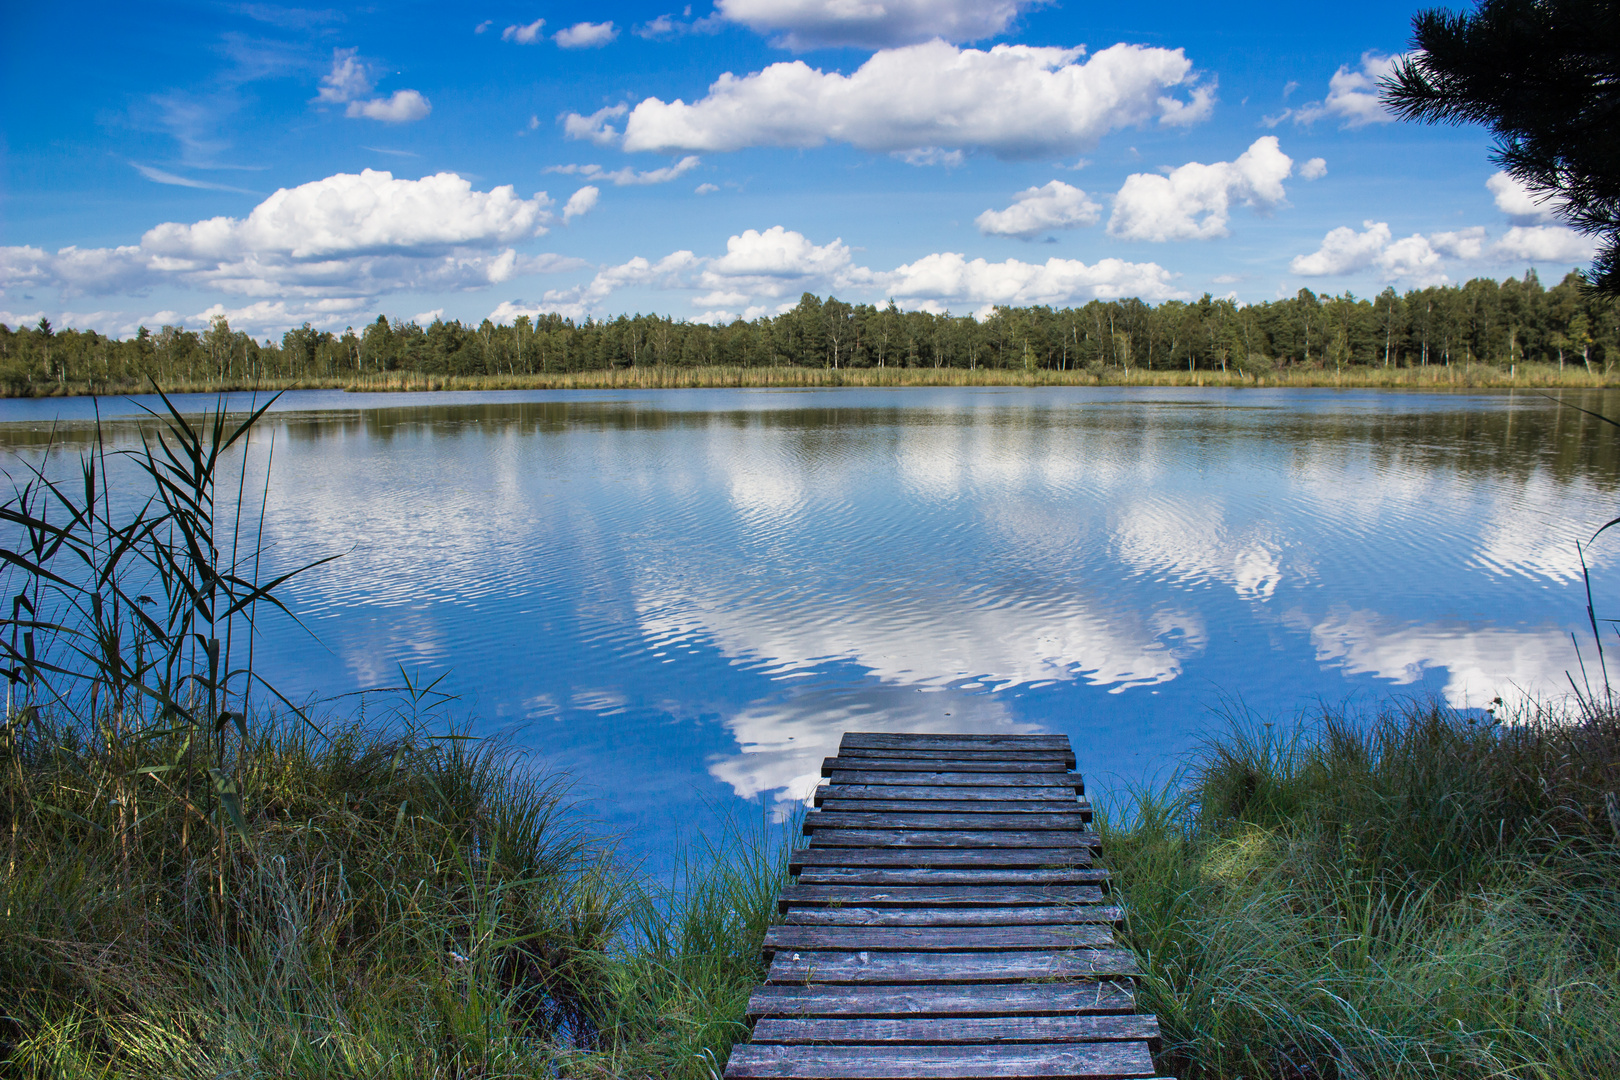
203 882
1413 894
1471 376
1435 377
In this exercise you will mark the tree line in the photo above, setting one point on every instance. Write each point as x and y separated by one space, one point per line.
1483 321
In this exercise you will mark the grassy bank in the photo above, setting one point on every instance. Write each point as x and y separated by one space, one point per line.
390 904
1458 377
1411 895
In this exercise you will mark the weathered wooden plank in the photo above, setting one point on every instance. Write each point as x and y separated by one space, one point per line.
1012 965
942 1031
1110 1060
954 838
1053 759
837 803
1053 915
819 820
906 740
869 894
1054 762
1021 792
894 876
959 939
919 858
956 778
983 999
897 763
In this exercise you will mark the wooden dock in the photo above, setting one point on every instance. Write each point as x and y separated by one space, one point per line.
947 923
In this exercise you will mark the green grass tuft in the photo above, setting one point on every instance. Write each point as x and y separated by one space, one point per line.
1413 894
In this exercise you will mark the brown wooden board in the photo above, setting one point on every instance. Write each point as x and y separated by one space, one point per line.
1056 915
942 758
1111 1060
960 939
943 1031
903 837
907 741
890 877
865 966
899 763
1052 760
1063 793
919 858
817 820
958 778
983 999
870 894
838 804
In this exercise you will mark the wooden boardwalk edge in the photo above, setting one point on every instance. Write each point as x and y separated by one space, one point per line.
948 923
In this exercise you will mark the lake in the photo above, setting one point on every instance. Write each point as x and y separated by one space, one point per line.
684 597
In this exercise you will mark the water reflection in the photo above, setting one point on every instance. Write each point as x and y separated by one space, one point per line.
685 597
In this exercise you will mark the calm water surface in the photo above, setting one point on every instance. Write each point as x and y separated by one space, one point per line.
684 597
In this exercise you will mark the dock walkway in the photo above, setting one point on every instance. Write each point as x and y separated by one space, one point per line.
947 923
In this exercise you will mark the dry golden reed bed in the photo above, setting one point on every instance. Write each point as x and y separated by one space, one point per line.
1454 377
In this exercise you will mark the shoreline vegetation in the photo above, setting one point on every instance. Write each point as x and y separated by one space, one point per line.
202 879
1481 334
1418 894
1439 378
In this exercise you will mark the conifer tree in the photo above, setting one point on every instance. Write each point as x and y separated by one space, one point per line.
1544 76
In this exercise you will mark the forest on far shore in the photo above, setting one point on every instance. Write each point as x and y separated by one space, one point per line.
1484 321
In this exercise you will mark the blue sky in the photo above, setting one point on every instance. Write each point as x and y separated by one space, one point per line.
170 162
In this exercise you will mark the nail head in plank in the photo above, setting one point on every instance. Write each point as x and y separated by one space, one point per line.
1112 1060
867 966
984 999
940 1031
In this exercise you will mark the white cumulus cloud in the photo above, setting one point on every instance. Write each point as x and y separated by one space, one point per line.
1544 243
595 127
350 214
1353 94
350 80
805 24
580 202
760 269
1041 209
1516 201
1344 251
948 276
1419 259
628 176
401 107
336 241
1314 169
347 80
524 34
1013 101
1194 202
586 35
